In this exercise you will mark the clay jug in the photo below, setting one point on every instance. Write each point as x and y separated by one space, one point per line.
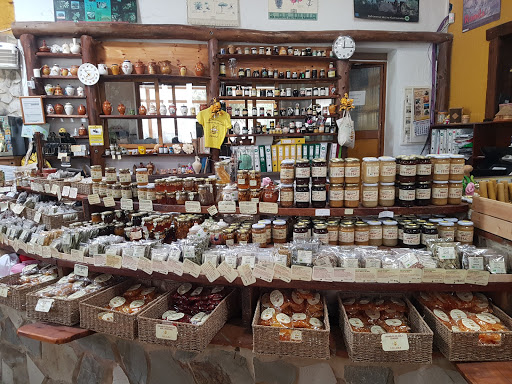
165 67
46 70
59 109
74 70
121 109
196 165
82 131
107 107
199 69
332 109
152 68
58 91
139 67
81 109
142 110
183 70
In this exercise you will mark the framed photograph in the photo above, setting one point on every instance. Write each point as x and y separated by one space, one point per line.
32 110
388 10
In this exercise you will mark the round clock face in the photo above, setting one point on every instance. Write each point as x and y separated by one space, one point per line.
88 74
344 47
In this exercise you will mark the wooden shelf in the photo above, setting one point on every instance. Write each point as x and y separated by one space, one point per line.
79 197
278 98
57 77
300 117
63 97
486 372
276 57
59 55
128 117
67 116
52 333
163 155
80 137
271 80
283 134
163 79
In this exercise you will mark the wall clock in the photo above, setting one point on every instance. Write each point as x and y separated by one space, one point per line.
344 47
88 74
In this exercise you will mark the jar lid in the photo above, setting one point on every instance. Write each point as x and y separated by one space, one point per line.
286 185
352 185
347 224
435 220
446 223
351 160
451 219
370 184
335 185
388 184
361 224
337 160
429 225
370 159
465 223
440 182
374 222
390 222
110 169
141 186
302 161
456 181
320 226
442 156
151 186
288 161
279 222
320 160
123 170
299 225
141 170
96 166
401 184
386 158
258 226
456 156
265 221
412 226
318 185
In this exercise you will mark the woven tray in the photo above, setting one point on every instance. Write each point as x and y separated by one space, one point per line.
314 344
57 221
124 325
465 346
16 297
82 188
367 347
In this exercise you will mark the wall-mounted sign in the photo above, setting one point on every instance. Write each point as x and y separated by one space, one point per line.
479 12
96 135
95 10
218 13
32 110
293 9
387 10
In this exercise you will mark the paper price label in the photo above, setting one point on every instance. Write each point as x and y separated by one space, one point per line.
73 193
77 255
55 253
212 211
209 270
109 201
99 260
349 211
365 275
413 275
145 205
159 266
145 265
264 272
346 275
65 190
248 207
388 276
477 277
246 274
37 217
81 270
130 262
394 342
166 332
227 271
127 204
47 188
283 273
38 250
455 276
59 194
322 212
4 206
270 208
191 268
17 208
30 248
446 253
44 305
113 261
322 273
433 275
227 207
290 335
192 207
175 266
4 291
301 273
94 199
388 214
46 252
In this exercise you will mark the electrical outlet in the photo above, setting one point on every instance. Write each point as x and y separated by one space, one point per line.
451 18
31 84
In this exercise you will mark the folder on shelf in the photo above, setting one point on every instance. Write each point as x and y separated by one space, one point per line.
274 158
268 157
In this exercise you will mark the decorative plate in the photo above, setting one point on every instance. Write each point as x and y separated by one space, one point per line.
88 74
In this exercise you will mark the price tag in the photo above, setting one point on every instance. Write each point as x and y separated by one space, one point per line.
37 216
46 252
264 272
227 207
477 277
301 273
109 201
212 211
55 253
365 275
248 207
175 266
77 255
388 214
433 275
4 206
349 211
455 276
99 260
17 208
322 273
145 265
166 332
94 199
346 275
388 276
130 262
4 291
209 270
30 248
81 270
38 250
159 266
192 207
246 274
290 335
65 190
127 204
446 253
59 194
413 275
44 305
73 193
47 188
226 270
322 212
283 273
191 268
113 261
394 342
270 208
145 205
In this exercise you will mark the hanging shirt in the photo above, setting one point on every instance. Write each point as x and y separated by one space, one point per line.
215 128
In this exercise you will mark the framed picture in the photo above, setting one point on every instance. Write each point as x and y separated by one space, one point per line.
32 110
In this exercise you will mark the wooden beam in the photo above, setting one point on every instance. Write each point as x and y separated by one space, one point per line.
444 60
491 102
501 30
188 32
29 44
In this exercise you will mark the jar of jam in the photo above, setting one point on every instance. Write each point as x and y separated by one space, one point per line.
302 196
428 232
96 188
242 179
96 218
110 175
362 233
465 231
255 194
457 167
454 192
336 195
259 235
244 195
268 229
270 194
336 170
319 171
333 231
300 232
96 173
189 184
370 170
406 194
441 166
407 170
352 170
387 169
109 190
286 195
287 173
279 231
321 233
370 195
423 168
375 233
302 172
103 189
387 194
411 236
107 217
318 196
181 197
243 236
150 192
141 192
440 192
446 230
116 191
171 198
423 192
141 176
125 178
160 198
254 179
346 234
351 195
193 196
135 191
389 233
205 192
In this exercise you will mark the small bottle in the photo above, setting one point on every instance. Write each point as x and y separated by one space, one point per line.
222 69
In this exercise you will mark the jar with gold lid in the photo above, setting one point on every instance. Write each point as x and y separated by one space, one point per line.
171 198
287 173
279 231
161 198
336 170
370 170
302 196
351 195
457 167
110 175
96 173
244 195
96 188
125 178
387 169
465 232
362 233
319 171
352 170
103 189
387 194
300 232
242 177
254 179
454 192
423 192
375 233
346 234
428 232
189 184
333 231
321 233
255 194
150 192
441 167
243 236
336 195
181 197
116 191
141 176
370 195
440 192
406 194
411 236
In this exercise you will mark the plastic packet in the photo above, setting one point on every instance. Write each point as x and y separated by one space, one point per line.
303 251
371 258
347 258
327 256
445 253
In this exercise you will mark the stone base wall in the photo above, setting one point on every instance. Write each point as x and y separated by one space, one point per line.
10 90
101 359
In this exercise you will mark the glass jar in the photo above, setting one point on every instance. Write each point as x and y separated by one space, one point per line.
96 188
242 177
254 179
406 194
370 170
109 189
110 175
387 169
333 231
319 171
125 178
411 236
454 192
96 173
407 169
181 197
336 170
193 196
116 191
423 192
390 233
465 231
135 191
346 234
457 163
302 196
287 173
441 166
107 217
375 233
446 230
96 218
318 196
141 192
205 192
370 195
300 232
255 194
150 192
286 195
351 195
259 235
243 236
423 168
336 195
244 195
161 198
171 198
352 170
270 194
362 233
321 233
229 237
189 184
302 172
141 176
439 192
279 231
428 232
387 194
268 229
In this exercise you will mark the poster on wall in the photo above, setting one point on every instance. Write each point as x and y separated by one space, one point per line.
217 13
388 10
293 9
416 115
95 10
479 12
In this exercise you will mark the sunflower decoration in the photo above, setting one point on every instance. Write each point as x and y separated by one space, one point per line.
216 109
346 103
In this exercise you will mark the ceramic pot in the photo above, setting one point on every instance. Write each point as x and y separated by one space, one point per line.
103 69
70 91
163 109
81 110
152 109
65 48
165 67
58 91
142 110
172 110
74 70
332 109
44 47
184 110
196 165
199 69
127 67
75 47
45 70
107 107
115 69
49 89
64 71
49 109
152 68
59 109
55 71
183 70
139 67
68 108
80 92
121 109
82 131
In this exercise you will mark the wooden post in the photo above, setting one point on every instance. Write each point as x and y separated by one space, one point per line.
38 141
29 44
343 86
491 103
213 88
444 61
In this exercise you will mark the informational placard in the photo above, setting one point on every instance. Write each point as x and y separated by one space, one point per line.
386 10
218 13
32 110
166 332
478 13
96 135
95 10
292 10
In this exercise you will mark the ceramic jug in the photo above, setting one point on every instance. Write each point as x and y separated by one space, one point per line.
163 109
74 70
55 71
184 110
64 71
82 131
107 107
59 109
121 109
80 92
70 91
49 109
44 47
172 110
139 67
68 108
142 110
49 89
81 110
165 67
196 165
65 48
58 91
103 69
152 68
199 69
127 67
152 109
115 69
183 70
75 47
45 69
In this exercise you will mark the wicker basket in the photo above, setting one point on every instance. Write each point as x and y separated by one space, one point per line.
123 325
314 344
60 183
29 213
82 188
194 338
465 346
59 220
16 298
367 347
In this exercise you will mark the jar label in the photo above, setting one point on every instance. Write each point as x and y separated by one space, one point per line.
286 173
336 195
322 237
142 178
407 194
319 171
96 175
411 238
390 232
352 195
455 193
439 193
387 193
337 171
456 169
353 171
400 234
370 195
303 173
407 169
465 236
302 197
372 170
375 233
423 194
279 233
260 238
286 196
318 196
441 169
253 183
388 169
425 237
150 195
476 262
126 194
96 189
333 235
346 237
362 236
241 181
125 178
300 236
424 169
230 242
447 233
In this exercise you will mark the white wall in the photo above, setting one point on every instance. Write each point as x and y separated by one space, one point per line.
408 64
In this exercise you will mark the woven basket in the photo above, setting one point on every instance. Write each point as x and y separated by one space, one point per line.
367 347
16 298
124 325
465 346
82 188
59 220
60 183
194 338
29 213
314 344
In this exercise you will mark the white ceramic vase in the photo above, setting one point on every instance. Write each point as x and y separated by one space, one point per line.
68 108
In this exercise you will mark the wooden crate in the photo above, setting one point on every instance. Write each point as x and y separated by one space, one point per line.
492 216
